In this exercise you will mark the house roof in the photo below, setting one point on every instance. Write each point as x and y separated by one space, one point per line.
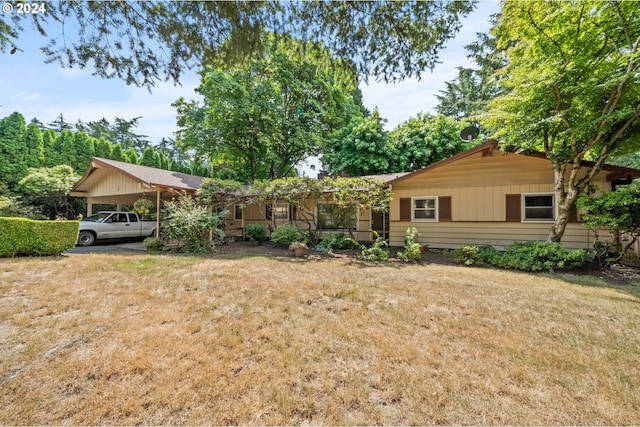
147 176
490 145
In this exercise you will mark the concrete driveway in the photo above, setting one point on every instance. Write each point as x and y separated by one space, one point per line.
118 246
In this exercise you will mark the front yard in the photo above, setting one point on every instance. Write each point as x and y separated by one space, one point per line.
139 339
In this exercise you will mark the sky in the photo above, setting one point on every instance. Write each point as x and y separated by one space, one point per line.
44 91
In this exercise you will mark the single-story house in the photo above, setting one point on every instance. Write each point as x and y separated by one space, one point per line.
482 196
111 182
486 196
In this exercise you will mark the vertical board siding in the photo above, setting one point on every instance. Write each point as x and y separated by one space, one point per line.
478 187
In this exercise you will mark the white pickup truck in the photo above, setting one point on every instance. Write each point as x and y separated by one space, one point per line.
114 225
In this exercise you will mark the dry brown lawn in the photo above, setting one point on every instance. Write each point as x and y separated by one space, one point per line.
141 339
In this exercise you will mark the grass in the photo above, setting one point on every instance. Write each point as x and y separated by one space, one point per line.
138 339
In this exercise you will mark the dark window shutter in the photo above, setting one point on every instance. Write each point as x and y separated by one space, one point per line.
444 208
514 205
405 209
573 214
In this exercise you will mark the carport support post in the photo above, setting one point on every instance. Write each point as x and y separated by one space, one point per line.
158 213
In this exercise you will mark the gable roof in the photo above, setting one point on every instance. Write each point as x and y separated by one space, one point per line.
145 175
490 145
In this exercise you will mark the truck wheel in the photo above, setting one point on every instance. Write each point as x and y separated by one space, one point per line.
86 238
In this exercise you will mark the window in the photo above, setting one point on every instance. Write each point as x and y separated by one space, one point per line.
424 208
332 217
539 207
238 213
277 211
133 217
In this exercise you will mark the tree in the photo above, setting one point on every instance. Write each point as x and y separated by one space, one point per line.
572 85
149 158
424 140
35 146
64 151
60 124
264 119
619 212
84 151
159 40
13 149
467 96
49 188
360 148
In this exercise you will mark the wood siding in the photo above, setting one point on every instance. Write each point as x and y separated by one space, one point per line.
479 189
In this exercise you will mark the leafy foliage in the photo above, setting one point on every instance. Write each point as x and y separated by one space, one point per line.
49 188
424 140
469 255
263 119
617 211
158 40
412 252
185 221
285 234
570 87
377 252
536 256
256 231
335 241
20 236
360 148
153 244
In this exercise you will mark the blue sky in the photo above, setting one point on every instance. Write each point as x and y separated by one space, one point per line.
41 90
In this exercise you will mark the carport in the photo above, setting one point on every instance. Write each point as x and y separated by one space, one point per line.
118 183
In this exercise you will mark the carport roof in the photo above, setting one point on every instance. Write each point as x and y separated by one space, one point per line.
147 176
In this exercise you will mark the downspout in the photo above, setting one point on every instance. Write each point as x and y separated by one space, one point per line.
158 213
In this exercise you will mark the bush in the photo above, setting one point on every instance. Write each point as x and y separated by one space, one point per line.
285 234
412 252
469 255
336 241
153 244
257 232
377 251
189 223
20 236
537 256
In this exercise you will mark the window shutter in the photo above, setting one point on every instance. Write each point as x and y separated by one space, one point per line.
405 209
573 214
444 208
514 206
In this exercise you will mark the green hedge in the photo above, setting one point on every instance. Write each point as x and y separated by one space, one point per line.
20 236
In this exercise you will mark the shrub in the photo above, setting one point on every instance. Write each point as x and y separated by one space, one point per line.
257 232
537 256
412 252
20 236
189 223
336 241
469 255
285 234
153 244
377 251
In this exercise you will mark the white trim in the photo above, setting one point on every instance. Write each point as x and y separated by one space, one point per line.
538 220
413 209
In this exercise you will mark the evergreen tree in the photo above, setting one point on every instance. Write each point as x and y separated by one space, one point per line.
131 156
84 151
103 149
35 146
64 149
59 124
150 158
117 153
48 139
13 150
